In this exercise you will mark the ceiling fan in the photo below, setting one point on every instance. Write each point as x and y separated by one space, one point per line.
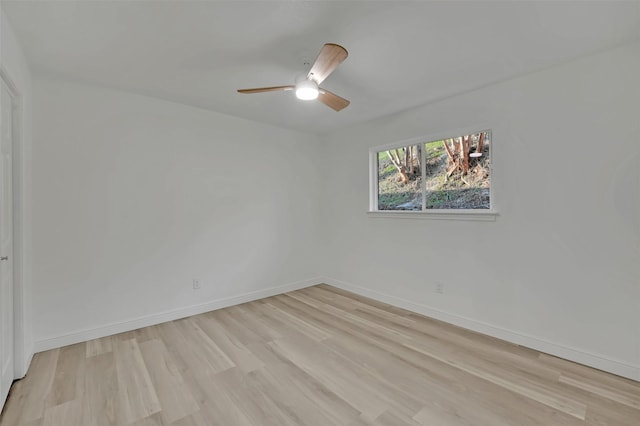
331 55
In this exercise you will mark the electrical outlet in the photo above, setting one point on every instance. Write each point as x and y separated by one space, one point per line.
196 284
439 288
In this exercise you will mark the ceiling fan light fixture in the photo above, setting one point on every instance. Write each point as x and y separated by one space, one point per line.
306 85
307 90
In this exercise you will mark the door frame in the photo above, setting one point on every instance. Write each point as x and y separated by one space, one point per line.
21 357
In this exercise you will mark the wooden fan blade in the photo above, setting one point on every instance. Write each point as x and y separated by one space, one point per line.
266 89
330 56
332 100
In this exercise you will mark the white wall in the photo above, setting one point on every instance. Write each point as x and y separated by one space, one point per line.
15 68
134 197
559 270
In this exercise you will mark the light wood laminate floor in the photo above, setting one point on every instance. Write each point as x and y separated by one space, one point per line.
317 356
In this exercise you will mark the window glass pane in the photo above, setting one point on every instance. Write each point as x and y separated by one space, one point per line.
457 172
399 179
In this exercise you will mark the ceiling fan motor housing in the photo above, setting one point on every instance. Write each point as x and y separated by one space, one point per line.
307 89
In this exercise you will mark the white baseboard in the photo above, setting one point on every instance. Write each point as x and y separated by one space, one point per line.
148 320
600 362
22 369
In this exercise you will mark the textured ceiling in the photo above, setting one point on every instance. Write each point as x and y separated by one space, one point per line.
401 54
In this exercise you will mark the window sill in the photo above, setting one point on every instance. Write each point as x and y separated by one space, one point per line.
471 215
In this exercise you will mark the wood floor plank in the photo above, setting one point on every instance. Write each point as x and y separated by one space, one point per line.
67 413
100 390
339 379
356 304
364 299
618 395
296 392
255 406
256 325
191 420
136 396
392 418
99 346
207 355
317 356
429 348
241 327
68 376
500 401
450 391
238 353
300 324
152 420
456 417
174 395
26 401
404 380
544 396
219 409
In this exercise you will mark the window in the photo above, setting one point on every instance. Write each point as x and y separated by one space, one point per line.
451 174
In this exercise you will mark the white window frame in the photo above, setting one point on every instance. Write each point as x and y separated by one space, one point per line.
489 214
